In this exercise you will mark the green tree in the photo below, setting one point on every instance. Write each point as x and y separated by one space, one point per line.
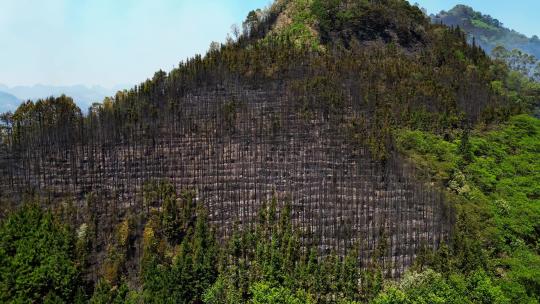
223 291
105 293
465 149
188 269
431 287
37 258
264 293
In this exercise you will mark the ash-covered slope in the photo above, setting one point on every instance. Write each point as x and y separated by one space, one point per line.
300 107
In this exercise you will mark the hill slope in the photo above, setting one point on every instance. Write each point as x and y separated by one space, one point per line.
487 31
270 168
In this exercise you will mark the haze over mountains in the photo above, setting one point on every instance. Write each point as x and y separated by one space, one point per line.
84 96
8 101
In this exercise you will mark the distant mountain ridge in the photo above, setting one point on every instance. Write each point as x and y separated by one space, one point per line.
83 95
487 31
8 102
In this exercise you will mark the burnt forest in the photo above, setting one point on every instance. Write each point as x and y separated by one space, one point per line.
330 151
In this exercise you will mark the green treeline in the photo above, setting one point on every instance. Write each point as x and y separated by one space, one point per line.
183 262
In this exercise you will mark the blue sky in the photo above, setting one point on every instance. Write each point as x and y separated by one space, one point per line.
107 42
112 42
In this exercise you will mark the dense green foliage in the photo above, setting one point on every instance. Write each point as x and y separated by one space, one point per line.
37 259
494 177
432 287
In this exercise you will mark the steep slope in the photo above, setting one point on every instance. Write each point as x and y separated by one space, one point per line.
318 23
301 107
487 31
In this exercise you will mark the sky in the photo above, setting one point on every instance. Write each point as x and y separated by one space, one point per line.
123 42
108 42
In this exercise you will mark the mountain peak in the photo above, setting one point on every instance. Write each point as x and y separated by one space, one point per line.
319 23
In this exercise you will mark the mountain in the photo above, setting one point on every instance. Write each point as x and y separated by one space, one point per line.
329 152
84 96
487 31
8 102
